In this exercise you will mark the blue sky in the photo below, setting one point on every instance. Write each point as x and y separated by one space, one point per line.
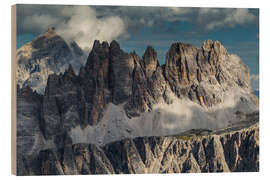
137 27
242 41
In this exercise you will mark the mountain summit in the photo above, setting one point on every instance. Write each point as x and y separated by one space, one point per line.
118 95
47 54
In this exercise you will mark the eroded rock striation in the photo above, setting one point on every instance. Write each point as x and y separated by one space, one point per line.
203 77
235 151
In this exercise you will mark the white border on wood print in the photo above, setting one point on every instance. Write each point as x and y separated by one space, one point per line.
264 87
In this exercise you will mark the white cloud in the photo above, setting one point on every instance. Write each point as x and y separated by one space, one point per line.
78 23
218 18
39 22
179 11
254 80
236 58
84 27
240 16
85 23
163 120
205 18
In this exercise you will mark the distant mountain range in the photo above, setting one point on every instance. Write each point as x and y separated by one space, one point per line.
114 112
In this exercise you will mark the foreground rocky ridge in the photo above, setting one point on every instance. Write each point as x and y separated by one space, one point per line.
203 77
235 151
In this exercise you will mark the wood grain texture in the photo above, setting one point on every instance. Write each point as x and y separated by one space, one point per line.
13 89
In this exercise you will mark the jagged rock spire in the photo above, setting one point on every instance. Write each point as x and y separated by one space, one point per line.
207 45
114 45
69 73
70 70
150 61
134 86
113 76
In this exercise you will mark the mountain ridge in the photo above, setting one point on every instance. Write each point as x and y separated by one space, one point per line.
226 152
118 95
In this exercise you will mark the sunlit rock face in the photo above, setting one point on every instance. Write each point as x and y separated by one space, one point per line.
204 74
118 96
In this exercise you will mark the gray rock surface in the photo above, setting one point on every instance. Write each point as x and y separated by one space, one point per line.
48 122
204 74
28 125
235 151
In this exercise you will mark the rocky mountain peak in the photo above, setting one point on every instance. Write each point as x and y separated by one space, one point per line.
97 45
214 49
100 48
191 72
114 45
119 95
207 45
47 54
115 50
76 48
98 54
150 61
50 31
112 76
177 49
70 72
197 74
150 55
219 48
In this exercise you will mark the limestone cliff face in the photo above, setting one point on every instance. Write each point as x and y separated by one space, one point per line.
78 108
203 74
235 151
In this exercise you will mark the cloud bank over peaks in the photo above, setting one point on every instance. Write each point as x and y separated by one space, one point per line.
84 24
76 23
84 27
205 19
219 18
